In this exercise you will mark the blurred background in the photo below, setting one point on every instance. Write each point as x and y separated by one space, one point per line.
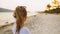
47 11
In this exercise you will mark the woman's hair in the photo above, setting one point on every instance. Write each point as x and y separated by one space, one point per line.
20 14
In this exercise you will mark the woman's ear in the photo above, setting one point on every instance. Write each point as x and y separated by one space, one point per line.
14 15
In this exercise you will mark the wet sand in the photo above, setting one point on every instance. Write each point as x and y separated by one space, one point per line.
39 24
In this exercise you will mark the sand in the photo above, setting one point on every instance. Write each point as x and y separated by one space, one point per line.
39 24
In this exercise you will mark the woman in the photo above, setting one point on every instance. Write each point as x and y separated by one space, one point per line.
20 14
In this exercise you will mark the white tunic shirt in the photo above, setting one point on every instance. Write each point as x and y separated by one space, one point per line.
23 30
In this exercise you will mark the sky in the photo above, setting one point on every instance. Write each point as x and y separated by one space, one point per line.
32 5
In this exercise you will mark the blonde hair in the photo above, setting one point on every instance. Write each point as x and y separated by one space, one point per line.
20 14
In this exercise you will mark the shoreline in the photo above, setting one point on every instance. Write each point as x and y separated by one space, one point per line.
32 15
7 23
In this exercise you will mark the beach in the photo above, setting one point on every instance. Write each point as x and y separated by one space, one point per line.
39 24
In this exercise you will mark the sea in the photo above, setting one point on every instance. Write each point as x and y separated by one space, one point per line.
7 17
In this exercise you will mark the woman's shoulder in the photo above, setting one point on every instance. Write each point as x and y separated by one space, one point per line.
24 30
14 28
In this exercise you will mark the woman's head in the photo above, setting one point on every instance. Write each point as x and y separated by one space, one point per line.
20 14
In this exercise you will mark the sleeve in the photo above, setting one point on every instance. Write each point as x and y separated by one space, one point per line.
24 31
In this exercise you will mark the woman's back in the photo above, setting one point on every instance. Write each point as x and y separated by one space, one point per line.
24 30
